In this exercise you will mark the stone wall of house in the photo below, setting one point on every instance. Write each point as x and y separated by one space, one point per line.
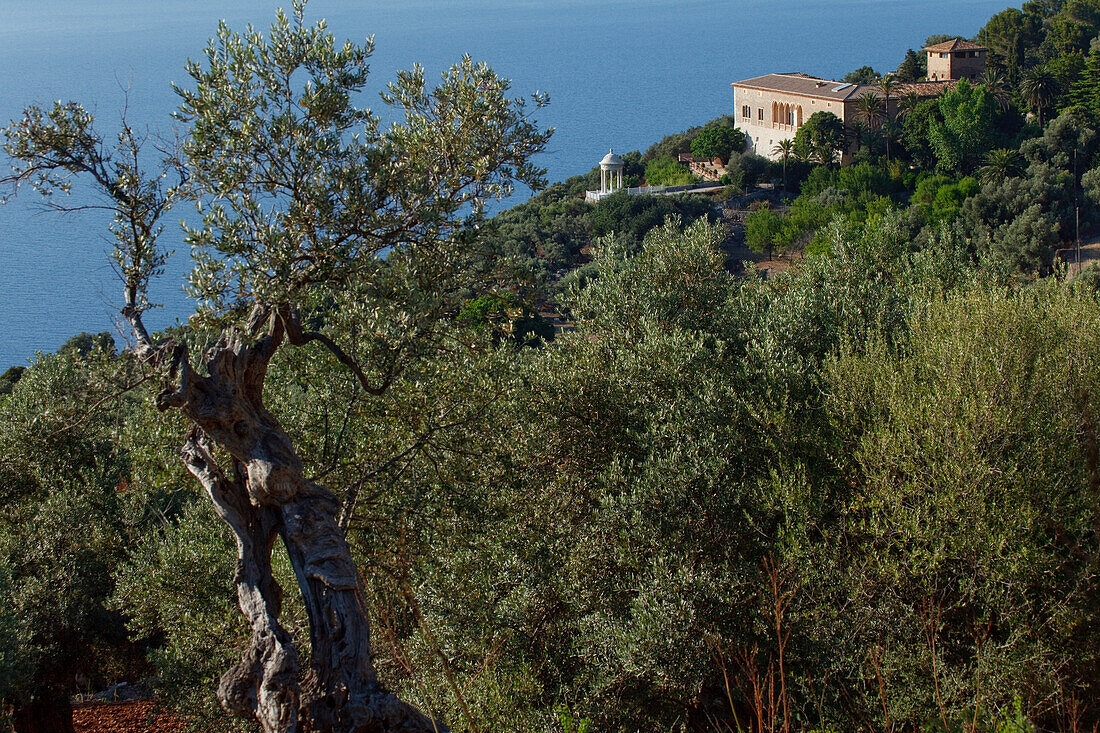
762 135
955 65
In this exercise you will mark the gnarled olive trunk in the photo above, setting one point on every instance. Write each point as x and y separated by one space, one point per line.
267 496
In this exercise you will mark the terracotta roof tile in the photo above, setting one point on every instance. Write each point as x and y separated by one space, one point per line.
955 45
805 85
925 88
811 86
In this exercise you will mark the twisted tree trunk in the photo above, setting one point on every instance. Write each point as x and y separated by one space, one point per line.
267 496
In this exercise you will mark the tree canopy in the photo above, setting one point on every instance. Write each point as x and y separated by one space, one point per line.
319 226
820 138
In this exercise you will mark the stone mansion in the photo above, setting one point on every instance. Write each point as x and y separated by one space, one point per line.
772 107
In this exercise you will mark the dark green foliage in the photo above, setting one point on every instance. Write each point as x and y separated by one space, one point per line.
762 229
1043 9
916 126
718 142
176 589
856 180
1010 35
939 198
1072 28
894 444
964 132
673 145
541 237
862 75
667 172
1001 164
70 513
1024 363
745 170
820 138
1040 89
505 316
8 379
1085 90
1021 220
861 191
1065 71
631 217
912 67
84 343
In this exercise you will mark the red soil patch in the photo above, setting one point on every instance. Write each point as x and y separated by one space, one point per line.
137 716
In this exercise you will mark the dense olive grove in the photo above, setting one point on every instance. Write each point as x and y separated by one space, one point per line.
863 495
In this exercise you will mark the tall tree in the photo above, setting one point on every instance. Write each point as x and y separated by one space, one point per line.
870 109
784 149
718 142
319 227
1008 35
910 69
1085 93
908 102
995 84
820 138
888 85
965 133
1039 88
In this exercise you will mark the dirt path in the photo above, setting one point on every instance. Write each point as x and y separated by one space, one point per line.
1090 255
137 716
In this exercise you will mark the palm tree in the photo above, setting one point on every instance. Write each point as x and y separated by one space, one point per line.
869 106
1001 164
887 85
856 133
995 84
784 149
890 130
1039 89
826 156
909 101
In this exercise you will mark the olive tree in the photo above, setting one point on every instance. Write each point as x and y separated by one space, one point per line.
319 226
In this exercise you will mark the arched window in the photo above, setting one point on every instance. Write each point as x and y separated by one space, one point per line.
800 115
775 112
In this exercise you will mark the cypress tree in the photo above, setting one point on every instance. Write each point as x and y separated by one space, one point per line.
910 70
1085 94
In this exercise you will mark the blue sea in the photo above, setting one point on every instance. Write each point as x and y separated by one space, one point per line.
620 73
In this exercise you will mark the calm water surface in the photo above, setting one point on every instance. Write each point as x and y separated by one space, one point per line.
619 73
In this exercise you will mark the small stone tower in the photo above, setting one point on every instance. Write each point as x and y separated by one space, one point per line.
955 59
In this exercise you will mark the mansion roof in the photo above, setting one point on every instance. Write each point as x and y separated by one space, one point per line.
805 85
955 44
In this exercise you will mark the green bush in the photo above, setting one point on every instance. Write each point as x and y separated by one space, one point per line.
667 172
